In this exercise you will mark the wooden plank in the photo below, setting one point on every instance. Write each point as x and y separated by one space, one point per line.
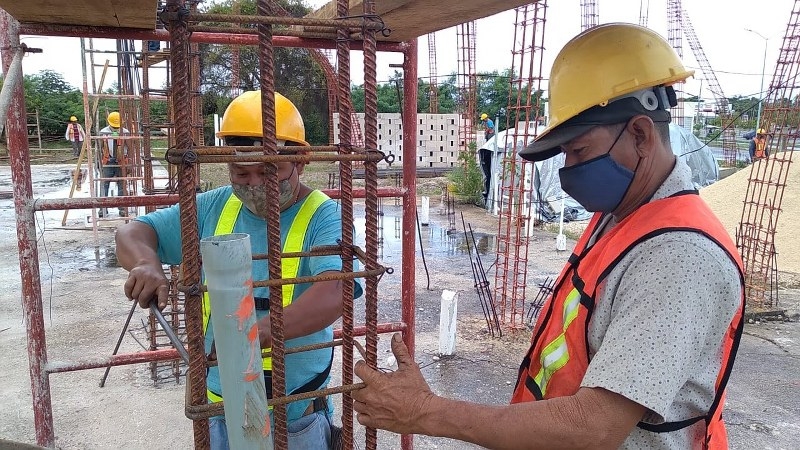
408 19
106 13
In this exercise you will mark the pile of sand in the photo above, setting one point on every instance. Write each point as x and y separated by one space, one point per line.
726 198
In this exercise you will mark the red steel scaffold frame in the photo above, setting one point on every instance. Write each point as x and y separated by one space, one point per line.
182 32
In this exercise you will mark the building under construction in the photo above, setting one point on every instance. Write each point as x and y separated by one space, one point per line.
355 142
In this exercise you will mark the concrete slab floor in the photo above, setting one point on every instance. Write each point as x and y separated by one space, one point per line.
85 307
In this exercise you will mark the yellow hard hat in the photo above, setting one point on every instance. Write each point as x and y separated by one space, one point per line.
113 119
73 119
243 118
603 64
484 116
761 131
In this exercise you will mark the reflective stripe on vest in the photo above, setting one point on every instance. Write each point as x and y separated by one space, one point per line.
295 239
558 357
555 355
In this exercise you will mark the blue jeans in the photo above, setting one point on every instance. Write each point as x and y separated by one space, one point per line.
311 432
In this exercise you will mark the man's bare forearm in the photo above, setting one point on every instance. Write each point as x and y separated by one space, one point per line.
137 244
594 419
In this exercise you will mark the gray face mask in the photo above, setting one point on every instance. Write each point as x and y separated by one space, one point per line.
254 198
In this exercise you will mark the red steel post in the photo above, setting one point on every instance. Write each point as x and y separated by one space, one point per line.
408 276
19 158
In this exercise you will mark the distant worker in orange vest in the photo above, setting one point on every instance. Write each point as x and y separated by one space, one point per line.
113 159
634 347
75 135
758 145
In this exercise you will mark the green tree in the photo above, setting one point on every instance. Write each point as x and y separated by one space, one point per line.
54 99
390 102
296 75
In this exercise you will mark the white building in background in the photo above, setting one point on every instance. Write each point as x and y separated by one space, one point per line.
436 135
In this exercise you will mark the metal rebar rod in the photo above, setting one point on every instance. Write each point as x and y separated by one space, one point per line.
190 246
119 342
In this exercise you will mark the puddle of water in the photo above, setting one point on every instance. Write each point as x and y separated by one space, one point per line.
436 237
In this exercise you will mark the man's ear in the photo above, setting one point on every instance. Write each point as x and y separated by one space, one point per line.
645 135
301 165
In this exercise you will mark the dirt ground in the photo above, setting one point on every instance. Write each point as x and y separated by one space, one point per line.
85 308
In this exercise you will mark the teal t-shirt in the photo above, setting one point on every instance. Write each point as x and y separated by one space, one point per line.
325 228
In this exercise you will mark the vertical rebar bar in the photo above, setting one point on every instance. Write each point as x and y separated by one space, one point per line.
371 200
267 82
346 186
181 101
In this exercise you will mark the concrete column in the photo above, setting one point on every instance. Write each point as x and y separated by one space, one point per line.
447 323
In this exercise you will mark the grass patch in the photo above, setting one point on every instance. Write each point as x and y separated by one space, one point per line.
553 228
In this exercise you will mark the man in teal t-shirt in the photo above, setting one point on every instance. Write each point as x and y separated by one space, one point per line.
144 244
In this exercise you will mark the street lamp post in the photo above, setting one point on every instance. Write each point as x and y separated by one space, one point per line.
763 70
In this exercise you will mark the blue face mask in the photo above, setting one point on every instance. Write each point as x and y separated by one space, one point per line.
599 184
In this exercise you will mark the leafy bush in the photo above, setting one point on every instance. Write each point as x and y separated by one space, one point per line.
466 180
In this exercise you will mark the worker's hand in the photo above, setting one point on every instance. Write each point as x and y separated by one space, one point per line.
265 332
146 283
394 401
212 355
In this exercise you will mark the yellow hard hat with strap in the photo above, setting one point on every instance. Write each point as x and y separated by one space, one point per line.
601 65
243 118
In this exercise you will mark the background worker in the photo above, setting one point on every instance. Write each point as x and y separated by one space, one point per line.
485 155
113 158
308 219
758 145
75 135
488 126
655 271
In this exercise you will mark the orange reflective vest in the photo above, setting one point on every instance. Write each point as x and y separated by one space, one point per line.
761 147
114 151
559 355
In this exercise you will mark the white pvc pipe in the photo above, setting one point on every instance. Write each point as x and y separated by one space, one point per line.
227 265
425 214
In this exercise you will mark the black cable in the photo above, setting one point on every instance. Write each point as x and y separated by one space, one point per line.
422 250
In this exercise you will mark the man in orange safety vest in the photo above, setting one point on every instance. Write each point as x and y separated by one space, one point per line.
634 347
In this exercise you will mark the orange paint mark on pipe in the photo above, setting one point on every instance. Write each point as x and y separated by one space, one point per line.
247 306
252 335
267 427
250 376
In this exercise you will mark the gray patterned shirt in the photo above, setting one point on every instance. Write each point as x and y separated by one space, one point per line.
659 319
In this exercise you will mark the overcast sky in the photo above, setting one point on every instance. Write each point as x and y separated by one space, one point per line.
735 54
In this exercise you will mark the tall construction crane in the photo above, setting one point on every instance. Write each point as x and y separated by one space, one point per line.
433 88
722 107
589 16
644 12
675 39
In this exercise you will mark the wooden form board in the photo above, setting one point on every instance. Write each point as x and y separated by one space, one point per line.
103 13
409 19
